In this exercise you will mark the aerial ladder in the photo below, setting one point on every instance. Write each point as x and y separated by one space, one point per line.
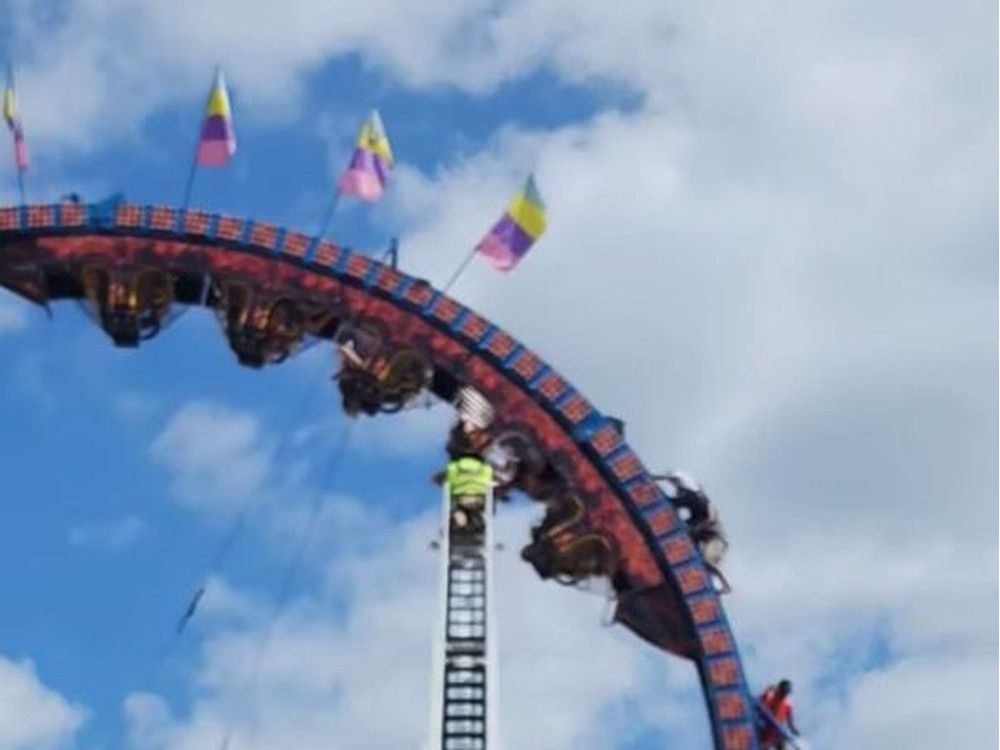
463 693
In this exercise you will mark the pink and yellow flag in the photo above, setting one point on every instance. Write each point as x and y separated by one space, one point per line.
513 235
218 139
368 170
13 121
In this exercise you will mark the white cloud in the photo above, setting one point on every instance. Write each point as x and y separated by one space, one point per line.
413 431
227 467
405 434
666 53
32 715
744 270
163 53
889 707
779 268
354 662
110 536
219 457
223 603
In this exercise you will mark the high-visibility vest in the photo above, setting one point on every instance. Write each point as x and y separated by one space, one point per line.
469 476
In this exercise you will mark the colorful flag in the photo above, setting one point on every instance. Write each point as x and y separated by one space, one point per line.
511 237
218 140
368 170
9 103
13 121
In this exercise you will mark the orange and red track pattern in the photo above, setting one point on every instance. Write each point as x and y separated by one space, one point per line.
621 500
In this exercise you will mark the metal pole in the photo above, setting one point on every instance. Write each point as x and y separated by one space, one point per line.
328 216
194 154
16 128
492 635
438 651
458 271
190 179
392 253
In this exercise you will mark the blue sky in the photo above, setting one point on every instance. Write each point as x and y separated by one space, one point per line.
772 249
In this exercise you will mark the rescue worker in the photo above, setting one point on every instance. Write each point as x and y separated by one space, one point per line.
469 480
776 702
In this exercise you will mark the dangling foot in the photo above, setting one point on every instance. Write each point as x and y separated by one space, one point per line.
719 581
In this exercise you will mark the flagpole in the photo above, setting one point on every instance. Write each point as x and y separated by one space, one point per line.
458 271
391 253
15 132
328 216
190 179
197 144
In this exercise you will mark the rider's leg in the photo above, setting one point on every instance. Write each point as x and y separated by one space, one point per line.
714 550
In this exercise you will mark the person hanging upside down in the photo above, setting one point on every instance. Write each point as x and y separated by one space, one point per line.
777 703
469 479
701 518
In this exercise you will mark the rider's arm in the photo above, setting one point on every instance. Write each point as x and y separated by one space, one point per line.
791 725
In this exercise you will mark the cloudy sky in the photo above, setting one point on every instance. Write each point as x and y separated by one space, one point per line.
772 250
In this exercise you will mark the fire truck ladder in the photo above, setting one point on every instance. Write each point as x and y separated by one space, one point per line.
464 693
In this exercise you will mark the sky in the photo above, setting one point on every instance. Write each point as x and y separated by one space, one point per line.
772 250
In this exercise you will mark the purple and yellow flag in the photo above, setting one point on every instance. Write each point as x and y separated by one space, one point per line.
368 170
13 121
218 140
511 237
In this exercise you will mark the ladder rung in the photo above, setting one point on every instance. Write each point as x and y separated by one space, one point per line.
464 677
464 709
464 693
466 616
464 743
477 601
463 726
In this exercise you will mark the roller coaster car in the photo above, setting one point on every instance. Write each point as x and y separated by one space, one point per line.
561 548
516 461
131 305
544 485
655 613
374 379
262 328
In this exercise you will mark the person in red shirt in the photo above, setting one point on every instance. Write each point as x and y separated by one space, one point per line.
777 703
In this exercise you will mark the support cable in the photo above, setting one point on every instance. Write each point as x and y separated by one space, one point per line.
287 580
253 504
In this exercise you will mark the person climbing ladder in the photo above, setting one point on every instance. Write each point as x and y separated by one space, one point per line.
469 479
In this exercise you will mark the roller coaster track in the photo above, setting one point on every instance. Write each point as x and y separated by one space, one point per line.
671 602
